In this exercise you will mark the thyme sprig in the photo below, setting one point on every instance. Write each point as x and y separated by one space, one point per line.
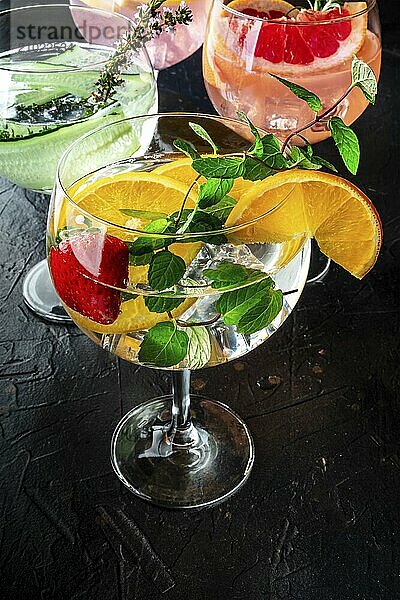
149 23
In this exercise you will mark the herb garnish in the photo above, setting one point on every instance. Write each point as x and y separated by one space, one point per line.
247 297
149 23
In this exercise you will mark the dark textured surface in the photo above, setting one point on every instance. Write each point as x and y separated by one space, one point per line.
319 516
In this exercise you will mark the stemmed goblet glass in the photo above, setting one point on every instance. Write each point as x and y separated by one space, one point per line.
248 41
245 45
104 229
50 61
169 48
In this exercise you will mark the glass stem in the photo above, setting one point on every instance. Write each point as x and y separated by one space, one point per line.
182 430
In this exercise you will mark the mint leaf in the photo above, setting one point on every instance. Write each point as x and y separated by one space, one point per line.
234 305
309 150
254 171
228 276
262 314
202 221
299 158
159 304
186 148
142 214
312 99
272 152
213 191
257 147
223 209
166 269
346 142
163 346
364 78
271 156
137 260
324 163
201 132
125 296
199 347
223 168
146 245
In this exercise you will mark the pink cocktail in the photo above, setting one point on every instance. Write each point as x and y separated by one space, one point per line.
247 40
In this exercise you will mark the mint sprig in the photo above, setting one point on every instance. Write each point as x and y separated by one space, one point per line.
346 141
246 298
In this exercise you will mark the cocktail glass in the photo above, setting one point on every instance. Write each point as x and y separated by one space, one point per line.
178 450
242 50
49 64
169 48
312 50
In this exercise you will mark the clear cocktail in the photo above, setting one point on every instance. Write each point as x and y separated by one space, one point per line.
181 263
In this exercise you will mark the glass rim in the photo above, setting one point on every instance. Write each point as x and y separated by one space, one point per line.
71 69
140 232
370 5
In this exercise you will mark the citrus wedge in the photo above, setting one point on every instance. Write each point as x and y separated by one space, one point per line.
182 170
139 191
342 219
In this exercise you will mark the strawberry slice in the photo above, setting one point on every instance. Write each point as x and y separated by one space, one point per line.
81 265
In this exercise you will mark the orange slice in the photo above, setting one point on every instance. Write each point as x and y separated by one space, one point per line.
103 199
342 219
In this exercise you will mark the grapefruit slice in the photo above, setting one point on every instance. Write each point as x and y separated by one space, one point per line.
335 212
305 40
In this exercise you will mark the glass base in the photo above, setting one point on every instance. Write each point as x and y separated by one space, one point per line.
185 468
40 295
319 265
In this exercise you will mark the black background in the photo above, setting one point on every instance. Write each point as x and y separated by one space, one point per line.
319 516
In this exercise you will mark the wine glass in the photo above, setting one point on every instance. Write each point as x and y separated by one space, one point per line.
169 48
49 64
246 43
178 450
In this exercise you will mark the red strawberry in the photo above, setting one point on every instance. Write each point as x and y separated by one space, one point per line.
82 265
